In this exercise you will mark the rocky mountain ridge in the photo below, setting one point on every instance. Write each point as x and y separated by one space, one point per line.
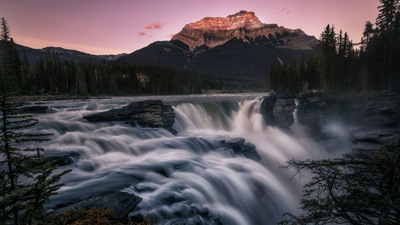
245 26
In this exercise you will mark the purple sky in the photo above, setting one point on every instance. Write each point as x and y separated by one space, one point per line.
116 26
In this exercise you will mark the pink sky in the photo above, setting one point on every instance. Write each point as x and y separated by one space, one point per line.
116 26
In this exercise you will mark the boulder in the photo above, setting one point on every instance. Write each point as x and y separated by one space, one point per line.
37 109
277 109
382 111
63 158
240 147
267 109
312 111
150 113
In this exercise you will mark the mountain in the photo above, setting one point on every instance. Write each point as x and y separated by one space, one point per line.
244 26
33 55
77 56
237 46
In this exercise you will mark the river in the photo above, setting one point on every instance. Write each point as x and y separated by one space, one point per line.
189 177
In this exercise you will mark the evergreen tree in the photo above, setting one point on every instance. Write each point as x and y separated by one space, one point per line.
27 179
11 65
359 188
327 58
368 31
386 23
387 12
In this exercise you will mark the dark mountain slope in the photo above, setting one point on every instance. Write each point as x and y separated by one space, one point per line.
33 55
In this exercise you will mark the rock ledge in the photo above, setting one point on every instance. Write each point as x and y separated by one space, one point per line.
150 113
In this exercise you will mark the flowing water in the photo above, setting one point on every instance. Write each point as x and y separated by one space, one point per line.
188 178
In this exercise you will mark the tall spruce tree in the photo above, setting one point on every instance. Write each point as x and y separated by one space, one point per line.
368 31
27 180
11 65
327 57
386 24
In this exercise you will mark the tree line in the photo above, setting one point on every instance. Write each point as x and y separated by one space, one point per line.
341 65
51 75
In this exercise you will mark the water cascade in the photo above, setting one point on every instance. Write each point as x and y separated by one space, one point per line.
188 178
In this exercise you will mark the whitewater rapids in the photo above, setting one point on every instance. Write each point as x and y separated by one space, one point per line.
188 178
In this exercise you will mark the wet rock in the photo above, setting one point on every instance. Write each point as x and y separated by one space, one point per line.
312 111
382 111
124 204
277 109
242 148
374 118
63 158
267 109
371 138
283 110
136 218
152 113
37 109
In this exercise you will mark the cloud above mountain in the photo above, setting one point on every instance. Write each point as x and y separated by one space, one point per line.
285 10
153 26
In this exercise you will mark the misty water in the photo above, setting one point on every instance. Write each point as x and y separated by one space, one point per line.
189 177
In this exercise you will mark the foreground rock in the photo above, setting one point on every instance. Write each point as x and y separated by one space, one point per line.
121 203
152 113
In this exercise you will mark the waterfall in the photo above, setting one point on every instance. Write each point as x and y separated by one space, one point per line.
188 178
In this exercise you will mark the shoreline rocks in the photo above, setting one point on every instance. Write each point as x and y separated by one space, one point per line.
151 114
373 120
37 109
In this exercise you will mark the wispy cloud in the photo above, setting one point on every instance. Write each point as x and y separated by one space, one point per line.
153 26
142 33
285 10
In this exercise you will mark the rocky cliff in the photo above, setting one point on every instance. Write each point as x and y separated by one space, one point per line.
244 26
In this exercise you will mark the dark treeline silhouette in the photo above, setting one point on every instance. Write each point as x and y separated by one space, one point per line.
373 65
51 75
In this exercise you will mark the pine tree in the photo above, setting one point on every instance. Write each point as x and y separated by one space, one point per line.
27 179
386 23
328 55
368 31
387 11
11 65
